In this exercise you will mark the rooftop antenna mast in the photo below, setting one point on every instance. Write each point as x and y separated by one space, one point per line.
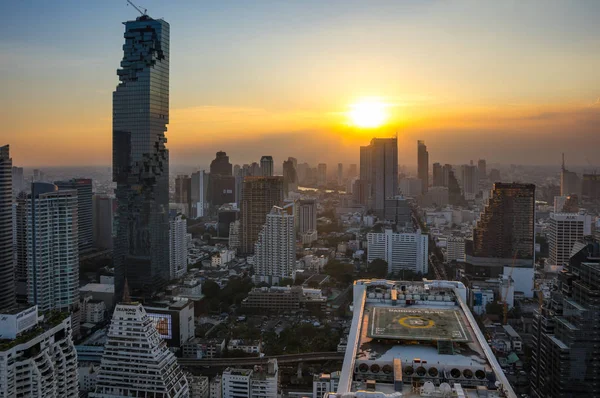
137 8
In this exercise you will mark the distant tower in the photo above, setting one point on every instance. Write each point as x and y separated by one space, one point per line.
290 177
7 268
379 168
177 246
322 175
340 174
423 165
136 360
83 186
482 169
438 175
266 166
307 215
570 184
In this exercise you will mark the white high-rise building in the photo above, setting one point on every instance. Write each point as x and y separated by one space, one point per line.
307 215
178 248
275 250
199 187
38 359
565 230
260 382
404 251
52 248
136 360
455 249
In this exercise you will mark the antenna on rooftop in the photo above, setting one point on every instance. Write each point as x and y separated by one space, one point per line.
137 8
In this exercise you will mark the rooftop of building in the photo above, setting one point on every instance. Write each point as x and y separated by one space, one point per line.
416 331
98 288
49 321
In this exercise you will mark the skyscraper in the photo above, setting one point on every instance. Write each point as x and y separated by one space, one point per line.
220 165
7 267
340 174
18 181
178 250
307 215
566 229
83 186
564 359
199 188
590 186
141 159
423 164
322 175
266 166
382 158
504 231
183 193
438 175
275 249
495 175
469 180
570 184
352 171
136 360
259 195
482 169
52 239
102 219
290 177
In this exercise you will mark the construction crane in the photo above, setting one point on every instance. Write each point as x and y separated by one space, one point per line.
137 8
509 281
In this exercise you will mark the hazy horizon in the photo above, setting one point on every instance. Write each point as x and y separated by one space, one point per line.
510 82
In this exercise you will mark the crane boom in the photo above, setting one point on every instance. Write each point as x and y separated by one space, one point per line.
137 8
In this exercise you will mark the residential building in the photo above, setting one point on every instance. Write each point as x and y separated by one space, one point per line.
52 248
423 165
141 159
381 172
480 298
321 175
361 192
199 386
7 266
266 166
225 216
275 249
183 193
215 387
92 311
18 180
178 248
85 224
259 196
309 237
455 249
438 175
290 177
136 361
504 234
564 358
235 241
284 298
260 382
247 346
199 188
428 344
482 169
37 357
103 211
401 251
307 215
469 181
198 348
566 229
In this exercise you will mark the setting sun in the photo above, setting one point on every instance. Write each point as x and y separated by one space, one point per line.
368 113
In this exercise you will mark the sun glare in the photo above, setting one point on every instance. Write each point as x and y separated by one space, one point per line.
368 113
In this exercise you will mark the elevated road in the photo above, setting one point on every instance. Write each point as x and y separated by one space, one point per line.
249 361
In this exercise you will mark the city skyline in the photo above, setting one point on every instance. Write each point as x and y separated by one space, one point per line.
510 83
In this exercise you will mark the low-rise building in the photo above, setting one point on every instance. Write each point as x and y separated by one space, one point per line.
199 386
324 383
248 346
198 348
259 382
92 311
309 237
99 291
289 298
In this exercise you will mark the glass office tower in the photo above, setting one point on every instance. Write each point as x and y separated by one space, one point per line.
141 159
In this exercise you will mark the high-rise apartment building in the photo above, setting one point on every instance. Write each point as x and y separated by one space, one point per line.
340 174
183 193
18 180
275 249
303 170
401 251
361 192
141 159
469 181
103 210
505 231
322 175
178 249
21 248
307 215
199 188
136 361
52 248
37 357
565 361
482 169
259 195
438 175
83 186
290 177
381 171
570 184
7 266
455 249
423 165
266 166
566 229
220 165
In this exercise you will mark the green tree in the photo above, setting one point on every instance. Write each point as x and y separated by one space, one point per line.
494 309
210 289
378 268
